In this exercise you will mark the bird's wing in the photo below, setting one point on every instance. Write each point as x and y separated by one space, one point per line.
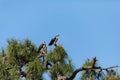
52 41
40 47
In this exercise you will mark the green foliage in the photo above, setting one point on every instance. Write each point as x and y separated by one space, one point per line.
91 73
111 75
19 52
35 68
20 59
58 54
61 63
13 72
95 74
17 55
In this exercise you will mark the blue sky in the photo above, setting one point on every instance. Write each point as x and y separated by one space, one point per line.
86 28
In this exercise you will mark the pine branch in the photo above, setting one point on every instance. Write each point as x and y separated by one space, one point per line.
83 68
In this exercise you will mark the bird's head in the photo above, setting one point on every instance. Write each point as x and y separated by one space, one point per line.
43 42
57 35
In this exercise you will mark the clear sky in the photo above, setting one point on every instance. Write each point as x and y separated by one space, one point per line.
87 28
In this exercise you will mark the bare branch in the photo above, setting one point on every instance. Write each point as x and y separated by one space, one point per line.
88 68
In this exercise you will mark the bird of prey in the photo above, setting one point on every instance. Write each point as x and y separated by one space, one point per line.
42 51
54 40
42 48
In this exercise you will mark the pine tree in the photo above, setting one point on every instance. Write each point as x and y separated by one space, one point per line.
21 59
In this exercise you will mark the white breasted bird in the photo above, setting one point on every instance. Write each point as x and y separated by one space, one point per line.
42 47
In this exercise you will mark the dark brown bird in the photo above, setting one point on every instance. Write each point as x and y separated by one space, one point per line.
54 40
41 47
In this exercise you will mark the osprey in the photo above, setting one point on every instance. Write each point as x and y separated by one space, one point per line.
54 40
42 48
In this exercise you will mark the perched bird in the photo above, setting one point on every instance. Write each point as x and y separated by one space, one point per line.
54 40
42 50
42 47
